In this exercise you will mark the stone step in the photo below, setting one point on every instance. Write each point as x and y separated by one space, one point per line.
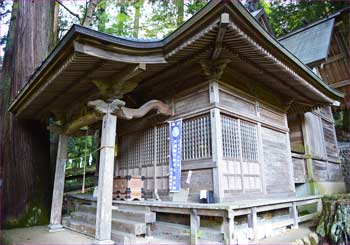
85 208
122 225
88 229
78 226
84 217
134 215
131 206
127 226
137 214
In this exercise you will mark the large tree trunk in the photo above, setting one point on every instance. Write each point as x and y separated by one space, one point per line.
180 12
137 6
87 21
24 144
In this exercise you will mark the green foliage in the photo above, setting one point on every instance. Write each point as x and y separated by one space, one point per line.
136 18
77 148
288 16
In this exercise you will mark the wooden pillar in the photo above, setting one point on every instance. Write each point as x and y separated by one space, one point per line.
105 180
253 220
307 147
58 188
106 170
289 157
228 225
213 70
195 224
294 215
216 136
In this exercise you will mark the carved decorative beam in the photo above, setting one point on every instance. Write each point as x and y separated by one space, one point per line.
102 107
128 113
224 21
119 84
116 107
213 69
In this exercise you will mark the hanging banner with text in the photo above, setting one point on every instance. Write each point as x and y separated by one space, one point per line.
175 147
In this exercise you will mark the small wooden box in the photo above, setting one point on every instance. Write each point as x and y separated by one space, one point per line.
128 188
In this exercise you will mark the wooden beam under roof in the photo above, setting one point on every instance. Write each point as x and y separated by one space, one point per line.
224 21
91 117
118 57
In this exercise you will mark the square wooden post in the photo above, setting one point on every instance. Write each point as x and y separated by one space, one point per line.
195 224
294 215
216 137
253 222
58 188
228 227
105 181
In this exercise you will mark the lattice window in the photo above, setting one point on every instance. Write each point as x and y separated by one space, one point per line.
137 149
196 138
237 136
249 142
162 133
123 153
230 137
147 143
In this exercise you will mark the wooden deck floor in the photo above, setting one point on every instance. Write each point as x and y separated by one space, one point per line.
227 212
235 205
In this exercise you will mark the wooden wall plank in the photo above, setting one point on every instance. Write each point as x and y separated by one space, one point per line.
276 161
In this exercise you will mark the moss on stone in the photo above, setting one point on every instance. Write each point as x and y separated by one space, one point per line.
334 225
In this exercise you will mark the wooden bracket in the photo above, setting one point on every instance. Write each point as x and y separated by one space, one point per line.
104 108
120 83
213 69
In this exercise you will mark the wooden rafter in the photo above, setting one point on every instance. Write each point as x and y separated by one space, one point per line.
72 85
276 62
224 21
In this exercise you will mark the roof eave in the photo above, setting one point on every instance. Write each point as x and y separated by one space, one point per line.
75 31
335 95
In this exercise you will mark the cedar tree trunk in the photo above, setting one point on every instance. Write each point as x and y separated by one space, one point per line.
24 144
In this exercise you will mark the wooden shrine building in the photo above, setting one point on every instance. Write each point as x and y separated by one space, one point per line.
233 86
324 47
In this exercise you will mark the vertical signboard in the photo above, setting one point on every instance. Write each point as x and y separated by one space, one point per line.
175 147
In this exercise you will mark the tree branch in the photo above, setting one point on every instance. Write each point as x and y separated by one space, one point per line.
66 8
5 13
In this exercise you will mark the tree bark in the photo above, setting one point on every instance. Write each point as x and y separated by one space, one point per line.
87 21
180 12
24 144
137 5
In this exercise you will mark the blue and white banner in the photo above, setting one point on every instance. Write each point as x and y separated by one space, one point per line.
175 147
